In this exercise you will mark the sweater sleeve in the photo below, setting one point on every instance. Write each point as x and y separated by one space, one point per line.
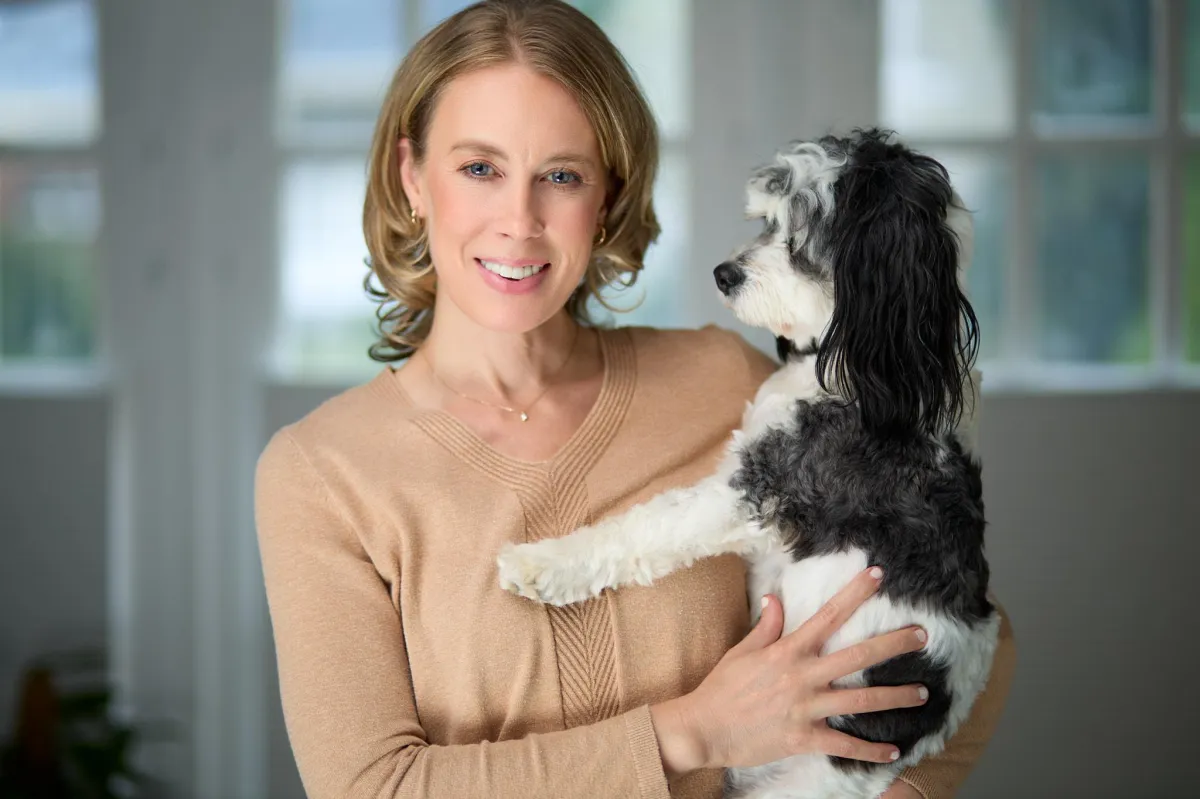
346 687
939 776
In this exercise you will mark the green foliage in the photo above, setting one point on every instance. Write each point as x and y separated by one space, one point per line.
66 742
46 297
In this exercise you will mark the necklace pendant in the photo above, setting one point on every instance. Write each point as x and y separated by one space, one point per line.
524 416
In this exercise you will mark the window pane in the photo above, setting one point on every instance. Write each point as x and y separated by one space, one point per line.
434 11
1191 255
338 56
1092 254
1191 49
1093 60
660 286
983 181
326 316
48 224
48 83
946 67
654 38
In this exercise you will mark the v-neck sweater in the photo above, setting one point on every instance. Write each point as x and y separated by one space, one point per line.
405 670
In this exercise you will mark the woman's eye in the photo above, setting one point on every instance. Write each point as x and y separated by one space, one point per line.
562 177
478 170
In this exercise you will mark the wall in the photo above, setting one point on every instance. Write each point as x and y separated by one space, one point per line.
53 554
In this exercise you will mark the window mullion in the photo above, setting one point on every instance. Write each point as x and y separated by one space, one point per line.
1021 323
1167 296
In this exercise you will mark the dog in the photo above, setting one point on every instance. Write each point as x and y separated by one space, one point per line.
858 451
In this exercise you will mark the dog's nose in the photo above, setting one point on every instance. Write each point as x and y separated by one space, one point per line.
728 276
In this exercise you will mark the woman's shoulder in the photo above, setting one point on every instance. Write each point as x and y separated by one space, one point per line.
348 426
707 353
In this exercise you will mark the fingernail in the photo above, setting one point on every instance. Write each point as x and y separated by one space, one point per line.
877 573
765 602
923 692
895 755
921 636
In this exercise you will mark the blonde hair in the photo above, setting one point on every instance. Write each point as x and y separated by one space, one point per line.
561 43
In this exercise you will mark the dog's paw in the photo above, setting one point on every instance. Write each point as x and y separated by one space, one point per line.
541 573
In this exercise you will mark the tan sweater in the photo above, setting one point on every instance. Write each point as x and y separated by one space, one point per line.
406 671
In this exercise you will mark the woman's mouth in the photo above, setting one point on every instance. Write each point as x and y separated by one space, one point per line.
513 273
518 277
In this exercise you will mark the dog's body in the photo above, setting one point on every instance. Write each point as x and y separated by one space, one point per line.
857 452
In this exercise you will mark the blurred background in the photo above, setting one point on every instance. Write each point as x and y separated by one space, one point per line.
180 274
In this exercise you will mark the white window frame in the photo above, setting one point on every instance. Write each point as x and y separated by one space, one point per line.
1167 143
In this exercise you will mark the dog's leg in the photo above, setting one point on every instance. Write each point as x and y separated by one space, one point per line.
667 532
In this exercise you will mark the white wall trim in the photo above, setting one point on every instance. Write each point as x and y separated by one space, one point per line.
188 183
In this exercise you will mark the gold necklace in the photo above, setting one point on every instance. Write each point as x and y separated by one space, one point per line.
522 414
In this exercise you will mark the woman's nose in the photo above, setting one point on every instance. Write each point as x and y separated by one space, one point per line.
522 218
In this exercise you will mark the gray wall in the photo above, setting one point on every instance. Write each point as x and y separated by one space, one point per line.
53 507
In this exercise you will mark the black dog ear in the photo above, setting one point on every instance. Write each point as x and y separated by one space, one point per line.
903 336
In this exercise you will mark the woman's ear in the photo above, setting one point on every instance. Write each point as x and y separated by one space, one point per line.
409 175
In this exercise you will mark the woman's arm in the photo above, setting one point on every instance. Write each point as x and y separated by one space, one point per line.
347 692
940 776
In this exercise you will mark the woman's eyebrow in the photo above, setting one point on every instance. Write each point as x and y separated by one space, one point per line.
476 146
490 150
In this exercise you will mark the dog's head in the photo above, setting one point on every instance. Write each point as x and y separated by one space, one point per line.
863 247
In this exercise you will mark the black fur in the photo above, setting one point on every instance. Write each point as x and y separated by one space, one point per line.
829 486
917 506
903 336
787 350
903 727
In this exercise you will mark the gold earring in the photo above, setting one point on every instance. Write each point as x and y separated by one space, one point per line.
603 237
412 215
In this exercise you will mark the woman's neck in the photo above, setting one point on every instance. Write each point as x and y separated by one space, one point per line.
505 368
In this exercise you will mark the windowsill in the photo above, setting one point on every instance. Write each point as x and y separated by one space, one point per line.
1009 380
53 380
1064 379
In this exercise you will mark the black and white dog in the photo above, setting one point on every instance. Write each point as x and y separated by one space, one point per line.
857 452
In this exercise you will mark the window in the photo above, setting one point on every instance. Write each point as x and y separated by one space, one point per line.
49 195
1072 129
337 58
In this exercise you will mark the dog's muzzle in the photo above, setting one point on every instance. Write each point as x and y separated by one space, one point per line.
729 276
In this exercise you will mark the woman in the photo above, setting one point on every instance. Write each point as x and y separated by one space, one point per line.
510 179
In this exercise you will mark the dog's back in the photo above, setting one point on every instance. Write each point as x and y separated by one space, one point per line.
841 499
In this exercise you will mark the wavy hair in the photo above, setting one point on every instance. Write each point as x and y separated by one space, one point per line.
561 43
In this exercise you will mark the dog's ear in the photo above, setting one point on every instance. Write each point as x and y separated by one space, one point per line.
903 336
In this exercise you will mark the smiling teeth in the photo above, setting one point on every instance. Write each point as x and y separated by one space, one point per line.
511 272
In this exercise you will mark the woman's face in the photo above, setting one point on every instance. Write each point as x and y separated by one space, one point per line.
512 189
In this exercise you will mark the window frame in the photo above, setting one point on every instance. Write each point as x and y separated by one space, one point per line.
1167 142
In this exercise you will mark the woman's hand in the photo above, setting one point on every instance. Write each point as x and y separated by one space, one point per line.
768 697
